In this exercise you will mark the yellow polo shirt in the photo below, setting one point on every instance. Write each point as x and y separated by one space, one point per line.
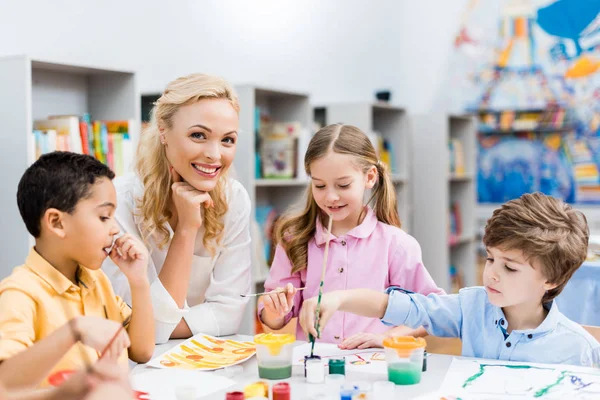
36 298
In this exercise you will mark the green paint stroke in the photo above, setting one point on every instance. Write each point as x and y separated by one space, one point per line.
544 391
477 375
482 367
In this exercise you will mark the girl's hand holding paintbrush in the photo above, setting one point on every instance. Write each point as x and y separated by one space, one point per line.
279 302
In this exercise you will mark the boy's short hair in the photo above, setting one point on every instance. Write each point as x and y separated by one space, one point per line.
545 229
57 180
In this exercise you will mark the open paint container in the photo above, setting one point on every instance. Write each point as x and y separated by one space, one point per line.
404 357
274 355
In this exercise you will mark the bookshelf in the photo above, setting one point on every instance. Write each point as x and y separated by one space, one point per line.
34 89
436 188
391 123
148 100
279 193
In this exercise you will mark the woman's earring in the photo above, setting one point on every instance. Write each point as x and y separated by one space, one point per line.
163 141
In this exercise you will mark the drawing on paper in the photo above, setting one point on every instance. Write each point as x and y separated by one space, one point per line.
354 359
470 379
205 353
360 361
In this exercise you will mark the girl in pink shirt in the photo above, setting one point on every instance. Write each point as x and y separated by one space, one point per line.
367 247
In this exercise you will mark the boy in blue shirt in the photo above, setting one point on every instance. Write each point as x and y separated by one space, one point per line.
534 245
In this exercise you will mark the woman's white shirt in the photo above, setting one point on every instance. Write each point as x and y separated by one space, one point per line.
213 304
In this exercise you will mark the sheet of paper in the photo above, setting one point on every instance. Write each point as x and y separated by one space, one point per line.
476 379
205 353
163 383
365 360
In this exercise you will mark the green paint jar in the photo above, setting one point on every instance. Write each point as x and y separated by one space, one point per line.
337 366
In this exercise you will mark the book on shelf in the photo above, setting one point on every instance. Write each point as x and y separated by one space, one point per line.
550 119
108 141
278 147
457 157
66 127
456 279
384 150
266 217
455 223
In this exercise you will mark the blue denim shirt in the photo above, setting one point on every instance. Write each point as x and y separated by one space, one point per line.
481 326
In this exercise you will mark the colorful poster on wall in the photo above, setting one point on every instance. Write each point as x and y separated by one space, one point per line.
535 83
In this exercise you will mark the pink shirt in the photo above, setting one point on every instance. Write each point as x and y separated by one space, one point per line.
373 255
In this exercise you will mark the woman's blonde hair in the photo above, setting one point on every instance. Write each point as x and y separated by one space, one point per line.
294 231
153 168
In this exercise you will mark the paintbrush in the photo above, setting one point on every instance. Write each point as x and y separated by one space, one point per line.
317 312
110 343
272 292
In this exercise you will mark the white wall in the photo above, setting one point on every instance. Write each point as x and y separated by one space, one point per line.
336 50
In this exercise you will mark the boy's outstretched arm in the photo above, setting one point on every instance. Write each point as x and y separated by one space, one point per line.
364 302
440 315
131 256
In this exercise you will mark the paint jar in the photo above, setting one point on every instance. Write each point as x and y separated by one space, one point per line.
404 357
337 366
258 389
274 355
306 358
348 392
315 370
384 390
333 384
234 396
281 391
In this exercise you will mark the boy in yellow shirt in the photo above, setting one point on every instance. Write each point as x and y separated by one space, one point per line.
67 202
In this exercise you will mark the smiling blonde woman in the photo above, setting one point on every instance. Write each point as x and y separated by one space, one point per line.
193 218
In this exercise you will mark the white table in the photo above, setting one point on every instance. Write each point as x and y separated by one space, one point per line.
437 365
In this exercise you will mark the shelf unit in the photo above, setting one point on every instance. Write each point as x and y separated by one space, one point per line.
439 189
34 89
282 106
148 100
392 123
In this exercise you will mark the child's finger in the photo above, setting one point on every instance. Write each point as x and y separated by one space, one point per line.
121 239
133 251
283 302
268 302
366 345
353 341
324 319
274 295
127 340
308 318
114 254
275 301
125 248
290 293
